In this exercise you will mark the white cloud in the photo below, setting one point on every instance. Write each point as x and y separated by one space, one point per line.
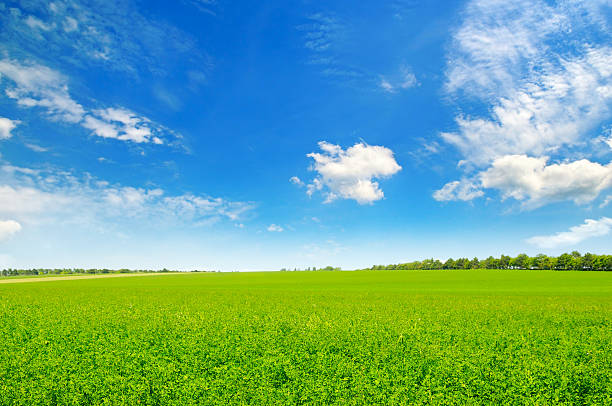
37 196
39 86
8 228
495 41
350 174
534 181
543 71
458 190
531 179
121 124
590 228
6 126
275 228
296 181
550 109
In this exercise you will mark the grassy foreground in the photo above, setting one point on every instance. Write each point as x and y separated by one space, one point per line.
384 337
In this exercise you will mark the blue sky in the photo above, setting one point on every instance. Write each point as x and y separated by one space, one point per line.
258 135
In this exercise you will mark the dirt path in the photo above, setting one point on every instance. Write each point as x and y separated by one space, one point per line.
74 277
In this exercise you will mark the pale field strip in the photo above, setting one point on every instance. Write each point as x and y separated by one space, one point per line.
75 277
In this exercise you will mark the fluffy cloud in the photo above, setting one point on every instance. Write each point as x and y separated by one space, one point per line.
590 228
350 174
6 126
531 179
39 86
458 190
8 228
537 69
275 228
33 197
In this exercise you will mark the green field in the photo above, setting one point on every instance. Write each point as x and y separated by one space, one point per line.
372 337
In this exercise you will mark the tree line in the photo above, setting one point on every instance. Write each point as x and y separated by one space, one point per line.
75 271
573 261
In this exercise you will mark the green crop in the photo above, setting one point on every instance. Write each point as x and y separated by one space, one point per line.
384 337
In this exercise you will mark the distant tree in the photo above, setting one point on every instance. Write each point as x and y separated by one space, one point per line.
504 262
564 262
586 262
474 263
520 262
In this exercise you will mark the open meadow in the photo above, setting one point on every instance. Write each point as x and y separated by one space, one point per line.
365 337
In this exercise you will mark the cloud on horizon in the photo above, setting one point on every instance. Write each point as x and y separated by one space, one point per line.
32 197
575 235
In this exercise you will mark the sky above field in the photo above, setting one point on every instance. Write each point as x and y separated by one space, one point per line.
211 134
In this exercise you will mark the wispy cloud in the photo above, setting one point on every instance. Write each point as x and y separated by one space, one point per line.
606 202
402 80
322 35
320 31
48 196
546 111
458 190
330 42
205 6
37 24
547 86
274 228
37 86
36 148
350 173
590 229
112 35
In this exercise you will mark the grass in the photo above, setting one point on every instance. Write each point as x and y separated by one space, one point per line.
373 337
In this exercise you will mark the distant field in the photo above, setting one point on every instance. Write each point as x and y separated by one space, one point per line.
382 337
